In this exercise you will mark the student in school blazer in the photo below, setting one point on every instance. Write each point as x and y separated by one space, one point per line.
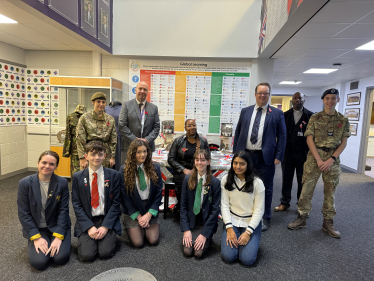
132 203
81 199
210 207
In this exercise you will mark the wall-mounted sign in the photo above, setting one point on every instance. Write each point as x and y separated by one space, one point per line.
88 17
67 8
104 30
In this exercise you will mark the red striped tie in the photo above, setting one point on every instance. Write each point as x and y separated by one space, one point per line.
94 192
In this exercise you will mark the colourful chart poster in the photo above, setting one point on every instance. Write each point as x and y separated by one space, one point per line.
39 103
12 95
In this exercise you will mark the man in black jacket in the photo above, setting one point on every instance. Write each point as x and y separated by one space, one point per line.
296 120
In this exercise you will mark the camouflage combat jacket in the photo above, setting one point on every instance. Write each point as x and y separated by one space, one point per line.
70 143
327 131
91 127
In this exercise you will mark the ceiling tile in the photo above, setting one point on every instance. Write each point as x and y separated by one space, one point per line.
55 47
358 54
288 52
304 43
358 30
80 47
42 39
31 47
341 12
315 29
326 53
19 30
342 43
10 39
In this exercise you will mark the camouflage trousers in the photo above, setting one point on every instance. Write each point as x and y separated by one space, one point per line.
310 179
74 164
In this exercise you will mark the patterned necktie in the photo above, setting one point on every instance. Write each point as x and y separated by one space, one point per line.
256 126
142 183
197 203
95 192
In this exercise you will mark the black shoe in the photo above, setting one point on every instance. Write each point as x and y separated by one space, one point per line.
265 224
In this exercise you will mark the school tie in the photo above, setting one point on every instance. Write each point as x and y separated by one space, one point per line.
256 126
142 183
94 192
197 203
140 107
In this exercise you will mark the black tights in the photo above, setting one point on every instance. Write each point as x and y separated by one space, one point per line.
136 235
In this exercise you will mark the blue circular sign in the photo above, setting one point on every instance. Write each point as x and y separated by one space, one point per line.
135 79
133 90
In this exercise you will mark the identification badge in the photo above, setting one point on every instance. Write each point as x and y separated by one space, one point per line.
330 134
300 134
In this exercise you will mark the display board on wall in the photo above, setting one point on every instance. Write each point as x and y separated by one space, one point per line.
38 100
88 16
211 93
67 8
274 14
12 95
104 13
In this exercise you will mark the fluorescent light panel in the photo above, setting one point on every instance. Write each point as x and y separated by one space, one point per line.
290 82
320 70
368 46
4 19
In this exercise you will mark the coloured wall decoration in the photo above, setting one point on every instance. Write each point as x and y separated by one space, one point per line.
104 22
210 97
39 102
12 95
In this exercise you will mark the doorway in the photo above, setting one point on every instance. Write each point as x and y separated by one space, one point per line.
369 156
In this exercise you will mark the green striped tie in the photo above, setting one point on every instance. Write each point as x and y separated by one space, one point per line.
196 205
142 183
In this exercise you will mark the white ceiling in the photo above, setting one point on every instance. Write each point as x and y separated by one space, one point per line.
331 36
32 33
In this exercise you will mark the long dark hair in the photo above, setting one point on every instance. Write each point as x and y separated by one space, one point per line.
250 173
193 179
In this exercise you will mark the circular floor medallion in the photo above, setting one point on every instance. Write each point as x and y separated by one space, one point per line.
124 274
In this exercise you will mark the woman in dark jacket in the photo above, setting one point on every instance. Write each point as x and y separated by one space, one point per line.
182 151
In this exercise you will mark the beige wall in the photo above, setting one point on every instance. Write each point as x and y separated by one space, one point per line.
13 147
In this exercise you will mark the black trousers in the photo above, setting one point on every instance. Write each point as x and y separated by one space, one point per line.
294 161
89 248
178 180
40 261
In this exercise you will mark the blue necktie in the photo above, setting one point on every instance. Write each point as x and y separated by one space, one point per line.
256 126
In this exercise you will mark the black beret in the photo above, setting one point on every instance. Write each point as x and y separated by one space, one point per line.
330 91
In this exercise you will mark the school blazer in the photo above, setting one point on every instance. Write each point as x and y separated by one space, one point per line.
81 199
210 207
29 204
132 202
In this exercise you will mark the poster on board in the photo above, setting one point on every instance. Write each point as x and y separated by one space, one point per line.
88 17
104 22
67 8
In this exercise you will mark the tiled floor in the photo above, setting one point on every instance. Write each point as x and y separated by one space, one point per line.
370 162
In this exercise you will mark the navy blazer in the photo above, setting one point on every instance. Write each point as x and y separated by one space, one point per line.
29 202
132 202
210 207
273 138
81 199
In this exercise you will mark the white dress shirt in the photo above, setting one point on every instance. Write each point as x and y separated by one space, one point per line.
140 113
144 194
202 189
99 211
258 144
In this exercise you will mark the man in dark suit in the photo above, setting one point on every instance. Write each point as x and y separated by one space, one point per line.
139 119
262 132
297 118
96 202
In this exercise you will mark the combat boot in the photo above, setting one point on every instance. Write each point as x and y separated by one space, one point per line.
328 226
300 222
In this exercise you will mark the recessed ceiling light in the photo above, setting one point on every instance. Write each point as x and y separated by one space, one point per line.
320 70
4 19
290 82
368 46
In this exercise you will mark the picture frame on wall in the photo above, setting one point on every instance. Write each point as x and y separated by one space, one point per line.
353 114
353 128
354 98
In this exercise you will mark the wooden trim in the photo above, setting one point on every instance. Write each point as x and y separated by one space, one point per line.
79 82
116 84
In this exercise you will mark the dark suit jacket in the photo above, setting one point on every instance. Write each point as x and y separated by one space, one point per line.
81 199
30 205
130 125
273 138
132 202
290 123
210 208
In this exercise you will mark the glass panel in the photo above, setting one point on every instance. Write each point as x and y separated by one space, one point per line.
117 95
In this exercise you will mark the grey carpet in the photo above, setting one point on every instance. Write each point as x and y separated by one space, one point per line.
307 254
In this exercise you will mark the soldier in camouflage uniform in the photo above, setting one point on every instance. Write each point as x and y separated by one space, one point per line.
70 144
327 134
97 125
